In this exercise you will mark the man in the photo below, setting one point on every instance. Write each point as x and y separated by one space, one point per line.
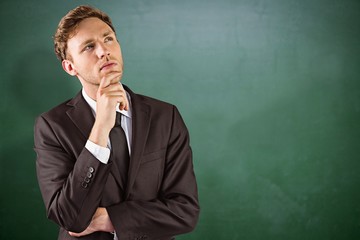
111 164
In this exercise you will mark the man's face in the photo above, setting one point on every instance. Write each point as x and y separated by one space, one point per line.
94 52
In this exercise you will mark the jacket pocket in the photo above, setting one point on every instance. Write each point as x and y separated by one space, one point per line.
149 157
149 176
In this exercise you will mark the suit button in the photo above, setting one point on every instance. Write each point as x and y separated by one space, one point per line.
86 180
89 175
91 169
84 184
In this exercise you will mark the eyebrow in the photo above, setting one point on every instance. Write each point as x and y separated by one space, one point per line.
108 33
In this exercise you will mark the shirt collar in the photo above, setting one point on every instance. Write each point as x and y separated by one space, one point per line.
92 104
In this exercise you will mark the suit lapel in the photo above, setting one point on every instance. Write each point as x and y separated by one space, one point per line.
140 130
81 114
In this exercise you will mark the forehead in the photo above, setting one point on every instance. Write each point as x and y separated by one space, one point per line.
89 28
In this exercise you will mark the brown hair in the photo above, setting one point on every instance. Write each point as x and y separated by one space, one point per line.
68 24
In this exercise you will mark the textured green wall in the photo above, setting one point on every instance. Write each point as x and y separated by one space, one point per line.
270 91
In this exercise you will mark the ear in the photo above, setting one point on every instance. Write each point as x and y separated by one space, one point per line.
68 66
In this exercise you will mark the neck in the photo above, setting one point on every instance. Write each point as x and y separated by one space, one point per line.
90 88
91 91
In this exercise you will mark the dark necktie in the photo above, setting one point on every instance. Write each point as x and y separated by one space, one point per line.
119 149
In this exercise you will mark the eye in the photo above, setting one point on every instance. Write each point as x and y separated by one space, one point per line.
108 39
88 47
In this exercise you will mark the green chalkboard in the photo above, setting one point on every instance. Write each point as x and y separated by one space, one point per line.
270 92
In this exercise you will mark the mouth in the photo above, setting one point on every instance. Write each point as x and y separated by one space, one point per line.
107 65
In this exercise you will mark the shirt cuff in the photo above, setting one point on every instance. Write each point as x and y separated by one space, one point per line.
101 153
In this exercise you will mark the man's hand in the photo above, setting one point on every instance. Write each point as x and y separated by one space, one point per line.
108 96
100 222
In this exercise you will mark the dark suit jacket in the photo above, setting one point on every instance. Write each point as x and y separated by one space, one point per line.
160 199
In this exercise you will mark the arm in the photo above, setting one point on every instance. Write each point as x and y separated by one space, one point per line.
70 201
72 182
176 209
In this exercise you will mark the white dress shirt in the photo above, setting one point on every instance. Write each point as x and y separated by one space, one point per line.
103 153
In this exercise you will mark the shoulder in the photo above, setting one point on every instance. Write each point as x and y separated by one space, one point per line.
165 113
59 112
153 103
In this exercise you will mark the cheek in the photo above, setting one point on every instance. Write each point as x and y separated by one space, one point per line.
86 64
117 51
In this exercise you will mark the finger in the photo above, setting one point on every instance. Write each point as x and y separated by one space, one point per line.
104 86
122 101
115 77
87 231
74 234
104 82
116 97
108 79
124 105
116 91
114 87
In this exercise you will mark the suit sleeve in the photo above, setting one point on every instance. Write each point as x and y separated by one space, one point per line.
71 184
176 209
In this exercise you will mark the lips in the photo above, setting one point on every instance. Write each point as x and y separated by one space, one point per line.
107 65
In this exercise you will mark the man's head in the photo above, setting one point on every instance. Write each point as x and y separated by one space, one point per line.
68 24
86 43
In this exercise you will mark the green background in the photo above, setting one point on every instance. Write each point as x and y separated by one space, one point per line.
269 90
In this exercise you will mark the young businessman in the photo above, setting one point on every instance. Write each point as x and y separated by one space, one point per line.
111 164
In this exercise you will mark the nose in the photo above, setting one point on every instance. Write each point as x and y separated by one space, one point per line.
102 50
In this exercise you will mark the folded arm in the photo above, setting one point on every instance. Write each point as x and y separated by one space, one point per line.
71 185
